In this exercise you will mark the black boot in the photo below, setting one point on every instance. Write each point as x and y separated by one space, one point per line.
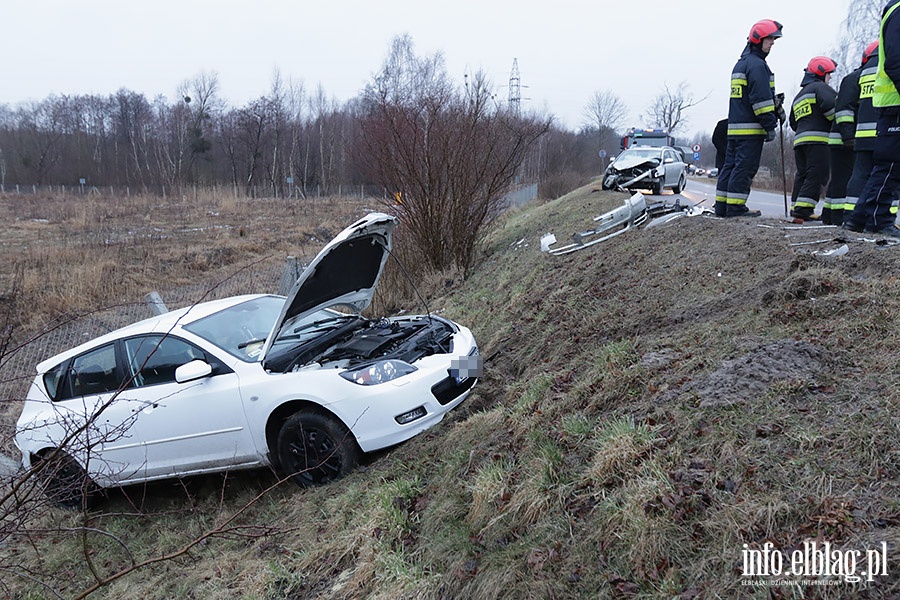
740 210
721 208
804 213
837 216
826 216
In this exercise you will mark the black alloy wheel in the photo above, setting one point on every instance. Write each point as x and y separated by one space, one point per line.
314 448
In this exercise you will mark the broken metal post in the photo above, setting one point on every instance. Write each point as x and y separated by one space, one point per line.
292 270
155 303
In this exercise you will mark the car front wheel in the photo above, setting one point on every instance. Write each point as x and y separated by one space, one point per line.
680 185
314 448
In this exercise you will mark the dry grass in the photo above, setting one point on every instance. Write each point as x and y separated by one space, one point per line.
77 254
650 405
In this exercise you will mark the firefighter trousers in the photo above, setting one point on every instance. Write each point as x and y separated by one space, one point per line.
842 160
742 156
873 209
862 166
812 175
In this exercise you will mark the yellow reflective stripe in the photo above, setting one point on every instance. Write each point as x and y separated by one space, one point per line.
745 129
819 137
844 116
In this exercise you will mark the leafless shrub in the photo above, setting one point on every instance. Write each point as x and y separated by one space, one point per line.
446 156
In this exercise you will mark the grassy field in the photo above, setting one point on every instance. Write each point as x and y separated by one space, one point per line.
655 409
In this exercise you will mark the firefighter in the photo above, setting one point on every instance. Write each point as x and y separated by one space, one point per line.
873 210
864 137
841 145
812 113
720 141
752 118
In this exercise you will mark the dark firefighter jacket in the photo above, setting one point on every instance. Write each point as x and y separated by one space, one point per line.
866 114
843 129
812 111
751 110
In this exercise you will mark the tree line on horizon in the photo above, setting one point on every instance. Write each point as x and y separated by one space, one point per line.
287 142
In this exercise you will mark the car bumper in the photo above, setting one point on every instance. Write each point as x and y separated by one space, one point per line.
430 393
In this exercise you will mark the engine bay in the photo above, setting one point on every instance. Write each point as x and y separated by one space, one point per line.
360 340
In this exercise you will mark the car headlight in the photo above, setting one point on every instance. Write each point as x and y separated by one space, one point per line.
380 372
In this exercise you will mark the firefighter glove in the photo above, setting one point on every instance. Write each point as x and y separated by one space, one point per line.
770 135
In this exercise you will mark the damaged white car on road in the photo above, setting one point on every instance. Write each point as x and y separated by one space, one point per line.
646 168
303 384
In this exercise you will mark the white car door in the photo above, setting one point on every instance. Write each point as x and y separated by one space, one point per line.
184 428
89 414
673 168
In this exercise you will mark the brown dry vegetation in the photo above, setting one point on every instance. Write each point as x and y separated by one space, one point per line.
650 405
79 253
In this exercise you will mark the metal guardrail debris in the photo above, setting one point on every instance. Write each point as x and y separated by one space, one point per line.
632 214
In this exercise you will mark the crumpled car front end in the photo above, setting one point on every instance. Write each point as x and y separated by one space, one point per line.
627 174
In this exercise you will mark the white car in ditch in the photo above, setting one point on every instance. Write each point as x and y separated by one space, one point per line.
303 384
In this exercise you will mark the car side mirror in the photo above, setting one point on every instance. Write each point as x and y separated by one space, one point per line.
669 160
196 369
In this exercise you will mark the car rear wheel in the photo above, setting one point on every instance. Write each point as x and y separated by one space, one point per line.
65 482
314 448
680 185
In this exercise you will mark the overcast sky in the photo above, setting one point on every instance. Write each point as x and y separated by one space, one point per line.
566 49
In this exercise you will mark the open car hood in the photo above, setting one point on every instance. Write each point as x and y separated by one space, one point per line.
345 272
630 162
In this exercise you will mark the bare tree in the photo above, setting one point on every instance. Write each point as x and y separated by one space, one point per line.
860 28
668 108
606 112
447 157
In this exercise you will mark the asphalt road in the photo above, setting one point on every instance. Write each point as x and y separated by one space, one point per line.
703 192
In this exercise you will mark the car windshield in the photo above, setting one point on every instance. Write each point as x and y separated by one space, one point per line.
240 330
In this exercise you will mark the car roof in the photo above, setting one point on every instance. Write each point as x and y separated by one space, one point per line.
166 322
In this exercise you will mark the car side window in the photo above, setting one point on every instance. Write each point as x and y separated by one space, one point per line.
152 359
54 380
94 372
